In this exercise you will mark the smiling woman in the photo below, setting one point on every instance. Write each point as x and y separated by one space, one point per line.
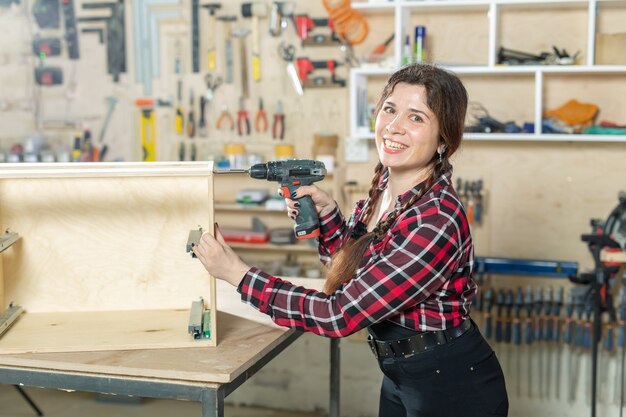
402 265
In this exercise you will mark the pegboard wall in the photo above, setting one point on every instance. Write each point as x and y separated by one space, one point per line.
122 52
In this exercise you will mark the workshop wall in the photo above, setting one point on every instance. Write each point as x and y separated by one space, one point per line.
538 200
31 114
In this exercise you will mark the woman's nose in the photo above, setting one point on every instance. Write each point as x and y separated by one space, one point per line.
395 124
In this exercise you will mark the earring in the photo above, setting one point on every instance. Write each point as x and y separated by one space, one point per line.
440 157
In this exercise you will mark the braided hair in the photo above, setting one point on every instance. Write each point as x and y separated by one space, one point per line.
447 98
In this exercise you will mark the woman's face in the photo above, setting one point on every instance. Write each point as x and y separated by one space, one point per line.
407 131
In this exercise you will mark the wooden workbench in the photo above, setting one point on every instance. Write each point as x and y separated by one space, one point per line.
107 241
248 341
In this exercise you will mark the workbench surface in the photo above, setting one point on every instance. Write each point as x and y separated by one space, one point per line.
246 338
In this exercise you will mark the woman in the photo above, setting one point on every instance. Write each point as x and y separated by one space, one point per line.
401 266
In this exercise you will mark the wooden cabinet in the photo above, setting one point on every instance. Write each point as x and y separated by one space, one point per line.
101 261
465 37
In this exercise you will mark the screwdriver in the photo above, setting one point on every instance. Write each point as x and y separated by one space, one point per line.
556 310
191 122
548 336
380 49
508 301
202 122
528 333
500 304
179 120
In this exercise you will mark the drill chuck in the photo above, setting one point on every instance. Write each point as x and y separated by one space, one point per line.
259 171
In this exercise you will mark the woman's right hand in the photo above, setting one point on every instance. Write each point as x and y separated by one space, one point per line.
323 202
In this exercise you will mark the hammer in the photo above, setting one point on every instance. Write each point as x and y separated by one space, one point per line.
241 33
228 46
255 10
211 8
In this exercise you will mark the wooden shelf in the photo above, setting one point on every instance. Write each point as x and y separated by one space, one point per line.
246 208
526 137
540 76
300 248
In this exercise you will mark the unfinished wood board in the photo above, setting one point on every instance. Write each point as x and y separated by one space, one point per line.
107 237
242 344
101 330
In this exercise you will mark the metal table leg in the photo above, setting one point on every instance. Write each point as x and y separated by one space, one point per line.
212 403
335 364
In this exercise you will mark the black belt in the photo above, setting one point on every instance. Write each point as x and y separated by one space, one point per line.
418 343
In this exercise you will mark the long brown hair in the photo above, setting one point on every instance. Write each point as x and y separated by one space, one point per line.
447 98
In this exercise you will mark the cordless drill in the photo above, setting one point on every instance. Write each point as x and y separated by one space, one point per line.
291 174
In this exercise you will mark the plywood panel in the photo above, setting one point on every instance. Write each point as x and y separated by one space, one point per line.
97 331
109 240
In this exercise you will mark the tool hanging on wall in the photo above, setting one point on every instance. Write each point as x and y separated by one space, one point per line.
115 34
260 121
71 31
517 338
241 33
288 53
280 13
46 47
212 83
254 11
305 24
225 118
147 129
195 36
202 131
306 66
243 122
528 336
146 39
111 101
350 24
48 76
556 339
212 8
228 47
278 128
191 119
47 14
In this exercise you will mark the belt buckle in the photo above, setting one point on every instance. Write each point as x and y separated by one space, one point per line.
373 347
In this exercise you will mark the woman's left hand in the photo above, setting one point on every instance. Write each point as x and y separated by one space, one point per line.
219 259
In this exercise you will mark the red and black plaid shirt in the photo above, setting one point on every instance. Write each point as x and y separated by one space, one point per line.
418 276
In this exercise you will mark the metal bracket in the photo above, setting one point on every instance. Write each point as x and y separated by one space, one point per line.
8 317
193 239
7 239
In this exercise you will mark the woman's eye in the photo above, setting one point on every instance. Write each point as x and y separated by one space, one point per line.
416 118
388 109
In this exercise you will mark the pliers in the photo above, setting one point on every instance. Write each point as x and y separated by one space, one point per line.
225 117
243 122
278 129
260 122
